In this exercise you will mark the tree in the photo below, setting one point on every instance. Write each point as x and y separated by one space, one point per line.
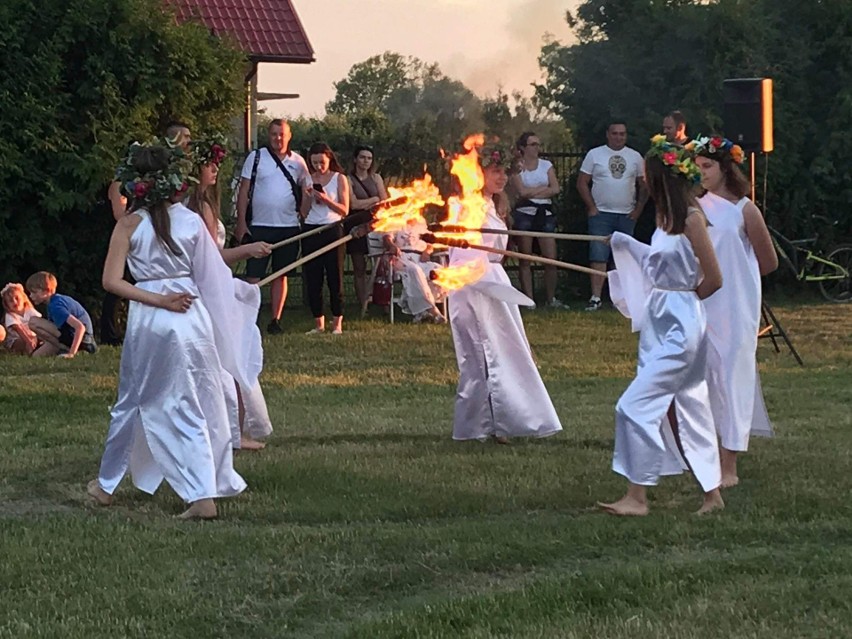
82 78
638 59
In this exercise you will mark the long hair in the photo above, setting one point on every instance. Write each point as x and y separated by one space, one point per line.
735 181
11 288
673 195
357 152
211 195
154 159
322 148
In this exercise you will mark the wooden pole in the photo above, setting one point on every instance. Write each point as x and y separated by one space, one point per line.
453 230
307 258
536 258
302 236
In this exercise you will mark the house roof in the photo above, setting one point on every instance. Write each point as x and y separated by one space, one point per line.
267 30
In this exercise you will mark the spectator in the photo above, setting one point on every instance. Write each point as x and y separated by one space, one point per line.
412 261
535 184
611 183
366 189
326 201
17 335
674 128
68 327
268 203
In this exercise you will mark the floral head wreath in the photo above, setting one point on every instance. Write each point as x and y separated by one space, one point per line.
153 187
496 155
679 159
716 147
211 150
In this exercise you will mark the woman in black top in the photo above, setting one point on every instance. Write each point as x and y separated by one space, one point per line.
366 190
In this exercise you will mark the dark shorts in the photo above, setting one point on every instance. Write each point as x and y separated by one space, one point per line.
66 338
281 257
358 245
525 222
606 224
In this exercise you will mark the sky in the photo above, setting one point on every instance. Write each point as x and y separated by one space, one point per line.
483 43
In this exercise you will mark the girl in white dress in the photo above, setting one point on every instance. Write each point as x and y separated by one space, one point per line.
745 253
188 318
247 411
663 419
500 392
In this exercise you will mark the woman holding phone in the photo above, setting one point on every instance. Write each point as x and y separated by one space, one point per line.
325 202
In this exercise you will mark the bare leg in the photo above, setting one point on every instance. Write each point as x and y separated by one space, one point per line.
201 509
548 249
524 269
597 280
49 335
102 497
337 324
633 504
246 442
279 296
728 459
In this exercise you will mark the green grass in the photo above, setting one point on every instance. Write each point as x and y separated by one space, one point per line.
364 519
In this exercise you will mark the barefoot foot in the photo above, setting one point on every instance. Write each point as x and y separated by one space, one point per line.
201 509
625 507
247 443
94 490
729 481
712 502
500 439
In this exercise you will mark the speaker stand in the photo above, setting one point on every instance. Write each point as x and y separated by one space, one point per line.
773 329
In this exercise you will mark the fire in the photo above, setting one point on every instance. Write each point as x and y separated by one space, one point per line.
469 210
418 195
452 278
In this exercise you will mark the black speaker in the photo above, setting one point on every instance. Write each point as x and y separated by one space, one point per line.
748 113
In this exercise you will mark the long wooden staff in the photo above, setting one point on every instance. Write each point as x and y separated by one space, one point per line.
307 258
448 228
432 239
302 236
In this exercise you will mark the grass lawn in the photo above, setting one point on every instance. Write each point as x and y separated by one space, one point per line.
364 519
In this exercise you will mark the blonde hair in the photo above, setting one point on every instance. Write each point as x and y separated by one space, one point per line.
42 281
6 294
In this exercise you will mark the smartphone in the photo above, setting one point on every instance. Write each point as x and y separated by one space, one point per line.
318 187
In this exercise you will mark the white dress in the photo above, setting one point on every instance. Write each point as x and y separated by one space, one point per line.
500 391
256 419
655 286
419 293
733 320
170 420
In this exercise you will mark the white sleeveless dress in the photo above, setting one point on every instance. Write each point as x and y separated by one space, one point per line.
170 420
500 391
655 286
733 320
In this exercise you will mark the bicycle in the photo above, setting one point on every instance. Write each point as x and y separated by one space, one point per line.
832 272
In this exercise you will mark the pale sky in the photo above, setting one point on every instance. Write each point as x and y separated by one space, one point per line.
483 43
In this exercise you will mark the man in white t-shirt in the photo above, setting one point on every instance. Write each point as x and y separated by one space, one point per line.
271 181
612 185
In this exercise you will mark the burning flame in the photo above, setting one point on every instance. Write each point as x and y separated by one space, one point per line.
452 278
469 210
418 195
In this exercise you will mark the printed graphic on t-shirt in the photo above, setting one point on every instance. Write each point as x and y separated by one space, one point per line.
617 166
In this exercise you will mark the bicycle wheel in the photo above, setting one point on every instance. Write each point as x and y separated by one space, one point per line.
840 289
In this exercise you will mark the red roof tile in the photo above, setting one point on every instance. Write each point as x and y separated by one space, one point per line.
267 30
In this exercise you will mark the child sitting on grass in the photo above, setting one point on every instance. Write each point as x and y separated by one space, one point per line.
68 327
17 336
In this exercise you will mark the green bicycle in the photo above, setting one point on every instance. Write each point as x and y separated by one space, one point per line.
832 272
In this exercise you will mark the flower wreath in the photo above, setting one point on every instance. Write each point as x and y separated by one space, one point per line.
679 159
149 188
210 150
715 147
495 155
